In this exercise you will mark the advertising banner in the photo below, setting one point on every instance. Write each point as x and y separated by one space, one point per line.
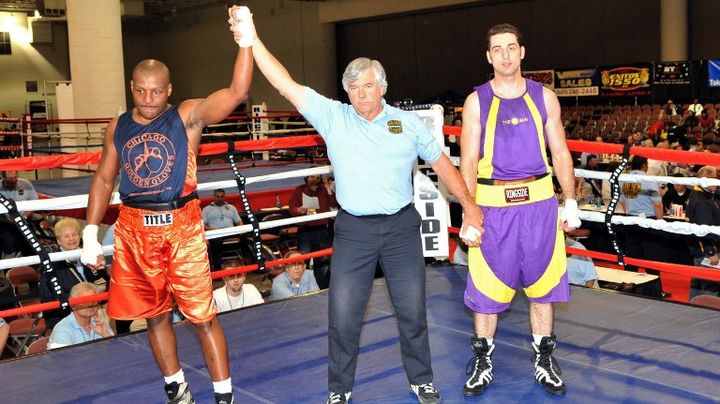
672 73
544 77
626 80
714 73
577 83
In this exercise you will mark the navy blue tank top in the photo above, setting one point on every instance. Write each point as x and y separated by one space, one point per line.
153 157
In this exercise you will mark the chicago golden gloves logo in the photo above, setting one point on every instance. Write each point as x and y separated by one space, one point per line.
395 126
149 159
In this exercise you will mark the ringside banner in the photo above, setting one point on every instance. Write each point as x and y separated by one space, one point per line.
626 80
577 83
672 73
714 73
544 77
430 197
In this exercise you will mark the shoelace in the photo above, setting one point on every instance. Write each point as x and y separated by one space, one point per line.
335 398
547 361
427 388
480 365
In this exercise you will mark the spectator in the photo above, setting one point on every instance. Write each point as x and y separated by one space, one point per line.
672 109
703 209
596 184
294 281
705 121
83 324
315 196
696 108
698 147
677 194
219 215
607 189
583 191
581 270
67 273
236 293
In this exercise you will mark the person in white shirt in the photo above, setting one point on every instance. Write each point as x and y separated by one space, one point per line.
236 293
696 108
219 215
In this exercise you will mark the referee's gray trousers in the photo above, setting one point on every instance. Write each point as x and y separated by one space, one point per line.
359 242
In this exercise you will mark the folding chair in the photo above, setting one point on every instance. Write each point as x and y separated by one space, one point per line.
28 327
709 301
38 346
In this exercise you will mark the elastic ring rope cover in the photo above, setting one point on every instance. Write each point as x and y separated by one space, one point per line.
240 180
614 199
45 262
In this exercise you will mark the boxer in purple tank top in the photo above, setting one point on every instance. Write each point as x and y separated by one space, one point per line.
508 123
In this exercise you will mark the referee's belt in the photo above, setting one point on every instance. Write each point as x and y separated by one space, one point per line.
500 193
163 206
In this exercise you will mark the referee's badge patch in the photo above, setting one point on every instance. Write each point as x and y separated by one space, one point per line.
395 126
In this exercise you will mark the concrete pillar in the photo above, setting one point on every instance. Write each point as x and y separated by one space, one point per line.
673 30
96 65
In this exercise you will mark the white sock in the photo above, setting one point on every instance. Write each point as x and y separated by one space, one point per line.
538 338
490 341
178 377
223 386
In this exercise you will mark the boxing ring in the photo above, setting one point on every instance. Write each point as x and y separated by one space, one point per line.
612 347
608 349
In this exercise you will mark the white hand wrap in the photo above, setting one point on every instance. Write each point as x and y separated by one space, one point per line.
243 27
570 215
471 235
91 246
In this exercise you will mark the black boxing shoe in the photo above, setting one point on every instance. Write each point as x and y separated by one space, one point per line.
481 373
178 393
547 370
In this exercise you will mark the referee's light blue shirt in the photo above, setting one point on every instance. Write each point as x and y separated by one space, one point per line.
372 160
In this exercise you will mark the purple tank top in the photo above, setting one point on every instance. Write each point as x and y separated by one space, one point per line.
517 152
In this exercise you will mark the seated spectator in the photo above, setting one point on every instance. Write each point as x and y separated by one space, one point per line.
83 324
705 121
219 215
677 194
4 333
315 196
236 293
68 273
672 109
294 281
696 108
698 147
607 189
581 270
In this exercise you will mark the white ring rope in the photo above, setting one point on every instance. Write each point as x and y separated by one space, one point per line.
690 181
676 227
80 201
74 255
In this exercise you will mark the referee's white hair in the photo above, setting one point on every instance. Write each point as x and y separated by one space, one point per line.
357 67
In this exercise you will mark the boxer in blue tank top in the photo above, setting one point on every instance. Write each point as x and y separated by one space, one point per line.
160 251
507 125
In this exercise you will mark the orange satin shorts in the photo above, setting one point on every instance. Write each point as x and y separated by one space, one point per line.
160 256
